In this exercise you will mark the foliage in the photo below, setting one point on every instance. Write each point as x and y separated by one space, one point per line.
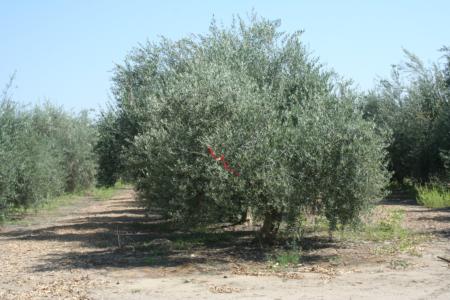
108 150
385 227
15 215
285 258
106 193
288 134
44 152
433 196
414 104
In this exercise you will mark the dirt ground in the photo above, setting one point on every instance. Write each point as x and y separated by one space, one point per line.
113 250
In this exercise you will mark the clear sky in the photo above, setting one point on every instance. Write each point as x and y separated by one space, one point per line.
64 51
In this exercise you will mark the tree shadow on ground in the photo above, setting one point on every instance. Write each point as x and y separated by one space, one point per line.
392 201
445 233
438 219
125 236
441 221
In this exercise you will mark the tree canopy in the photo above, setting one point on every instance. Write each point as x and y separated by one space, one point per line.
244 118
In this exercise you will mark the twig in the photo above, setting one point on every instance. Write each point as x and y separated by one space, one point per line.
444 259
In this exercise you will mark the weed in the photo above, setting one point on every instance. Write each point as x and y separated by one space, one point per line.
156 254
286 258
16 215
105 193
181 244
389 232
406 189
398 264
63 200
387 228
335 260
151 260
433 196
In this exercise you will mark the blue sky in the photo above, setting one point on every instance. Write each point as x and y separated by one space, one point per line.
64 51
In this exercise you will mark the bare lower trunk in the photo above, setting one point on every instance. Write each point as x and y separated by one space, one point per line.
247 218
269 230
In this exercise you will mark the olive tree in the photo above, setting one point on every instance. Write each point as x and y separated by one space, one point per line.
44 152
414 104
244 118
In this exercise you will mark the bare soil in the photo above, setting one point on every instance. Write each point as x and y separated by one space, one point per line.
114 250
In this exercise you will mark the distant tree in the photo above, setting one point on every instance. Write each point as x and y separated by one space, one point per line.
414 104
44 152
446 51
108 149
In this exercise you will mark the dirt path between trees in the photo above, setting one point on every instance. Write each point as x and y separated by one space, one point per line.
103 250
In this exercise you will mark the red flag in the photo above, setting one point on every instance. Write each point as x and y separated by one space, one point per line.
211 152
225 164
